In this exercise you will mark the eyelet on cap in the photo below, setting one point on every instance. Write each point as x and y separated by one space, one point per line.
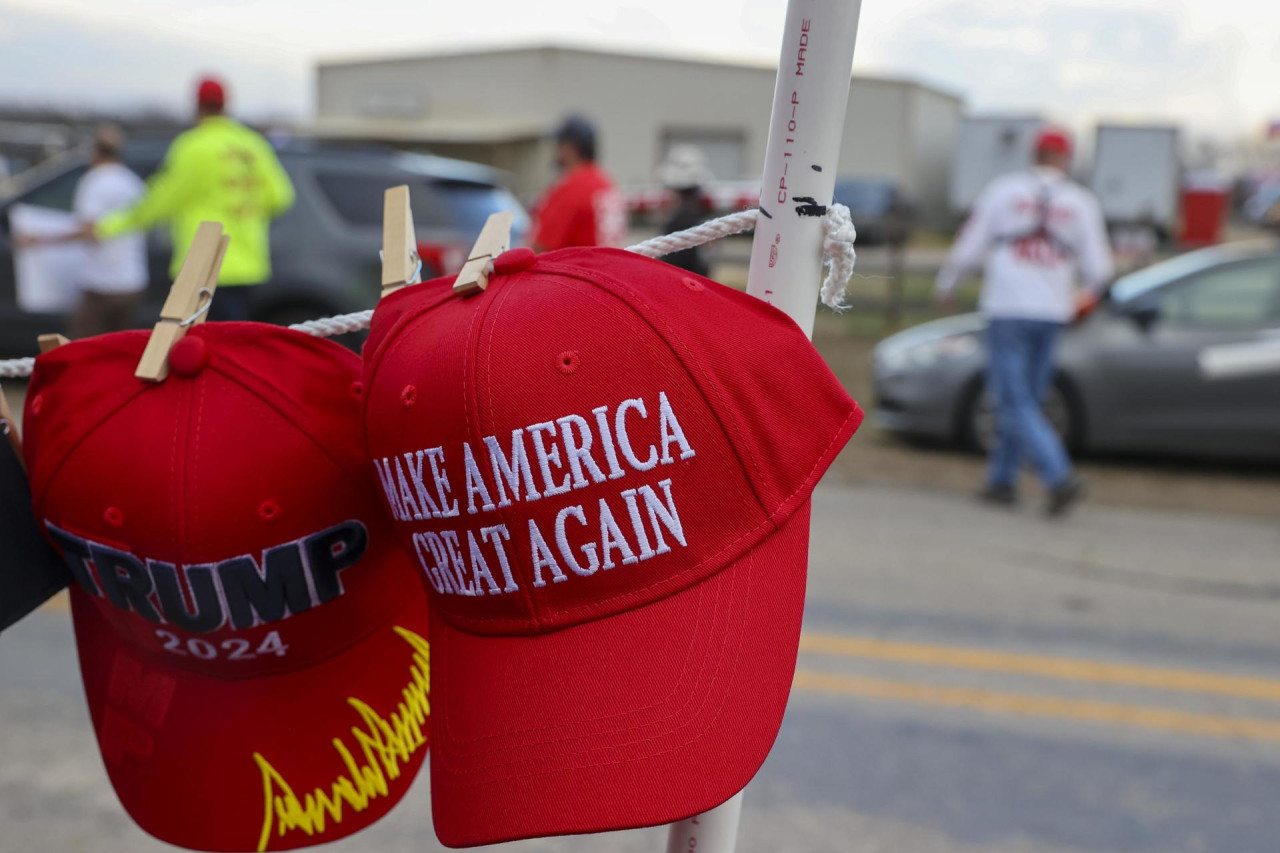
357 390
514 260
189 356
409 396
114 516
568 361
269 510
692 283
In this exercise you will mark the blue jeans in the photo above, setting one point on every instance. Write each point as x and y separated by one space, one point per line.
1020 364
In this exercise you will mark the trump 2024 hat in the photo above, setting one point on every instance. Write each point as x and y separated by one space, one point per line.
603 467
252 640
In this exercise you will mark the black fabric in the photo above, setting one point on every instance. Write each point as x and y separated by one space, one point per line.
30 570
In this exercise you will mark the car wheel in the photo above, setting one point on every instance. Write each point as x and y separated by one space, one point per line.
978 421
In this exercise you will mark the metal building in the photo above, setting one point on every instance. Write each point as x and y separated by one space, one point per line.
497 107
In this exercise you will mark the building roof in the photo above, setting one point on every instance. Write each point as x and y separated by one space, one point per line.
480 129
740 62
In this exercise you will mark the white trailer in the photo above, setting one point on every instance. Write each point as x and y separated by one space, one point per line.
986 148
1136 174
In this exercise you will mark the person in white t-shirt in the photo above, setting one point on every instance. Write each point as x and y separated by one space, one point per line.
115 271
1039 236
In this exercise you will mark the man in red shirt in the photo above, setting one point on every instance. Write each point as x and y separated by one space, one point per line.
583 208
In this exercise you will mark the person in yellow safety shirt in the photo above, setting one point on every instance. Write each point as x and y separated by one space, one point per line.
218 171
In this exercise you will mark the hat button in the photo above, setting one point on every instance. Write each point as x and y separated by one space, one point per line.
189 356
514 260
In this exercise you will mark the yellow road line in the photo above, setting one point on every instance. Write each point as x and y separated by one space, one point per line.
1070 669
1160 719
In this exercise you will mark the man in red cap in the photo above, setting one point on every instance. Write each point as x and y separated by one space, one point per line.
1039 236
583 208
219 171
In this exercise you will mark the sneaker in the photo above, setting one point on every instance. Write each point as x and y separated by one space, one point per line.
999 495
1065 495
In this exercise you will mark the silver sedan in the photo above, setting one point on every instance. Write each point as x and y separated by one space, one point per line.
1182 357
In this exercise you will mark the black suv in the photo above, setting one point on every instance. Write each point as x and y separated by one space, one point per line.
324 250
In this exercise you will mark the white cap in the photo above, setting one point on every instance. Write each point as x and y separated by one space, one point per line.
685 167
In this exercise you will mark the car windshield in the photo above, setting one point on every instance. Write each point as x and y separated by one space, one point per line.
38 174
1262 200
865 198
471 202
1135 284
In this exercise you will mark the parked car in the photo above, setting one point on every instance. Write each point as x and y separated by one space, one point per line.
1263 206
1181 358
324 250
878 209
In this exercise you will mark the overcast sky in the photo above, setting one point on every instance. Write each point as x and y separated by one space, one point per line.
1211 65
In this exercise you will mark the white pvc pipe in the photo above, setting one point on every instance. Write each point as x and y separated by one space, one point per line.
715 831
809 101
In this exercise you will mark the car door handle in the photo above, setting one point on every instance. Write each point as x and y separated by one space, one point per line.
1239 360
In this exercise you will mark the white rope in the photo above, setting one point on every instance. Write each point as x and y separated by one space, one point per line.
838 256
725 226
327 327
837 251
16 368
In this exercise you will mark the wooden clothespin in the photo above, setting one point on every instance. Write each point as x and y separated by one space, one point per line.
400 262
51 341
188 301
494 239
9 429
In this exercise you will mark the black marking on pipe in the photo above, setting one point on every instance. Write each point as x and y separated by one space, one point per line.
816 167
767 214
808 206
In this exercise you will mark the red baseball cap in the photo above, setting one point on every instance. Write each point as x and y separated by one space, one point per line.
603 466
252 640
211 94
1053 140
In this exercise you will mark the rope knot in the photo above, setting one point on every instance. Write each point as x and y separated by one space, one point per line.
838 256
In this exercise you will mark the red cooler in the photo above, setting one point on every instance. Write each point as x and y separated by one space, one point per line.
1204 212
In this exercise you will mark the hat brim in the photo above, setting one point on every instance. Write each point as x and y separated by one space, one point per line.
268 763
643 718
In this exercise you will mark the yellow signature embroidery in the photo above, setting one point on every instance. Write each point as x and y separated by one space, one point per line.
385 745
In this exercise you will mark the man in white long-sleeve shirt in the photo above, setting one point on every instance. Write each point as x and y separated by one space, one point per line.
1040 237
114 277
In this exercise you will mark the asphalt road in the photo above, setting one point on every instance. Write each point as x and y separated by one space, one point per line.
970 680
